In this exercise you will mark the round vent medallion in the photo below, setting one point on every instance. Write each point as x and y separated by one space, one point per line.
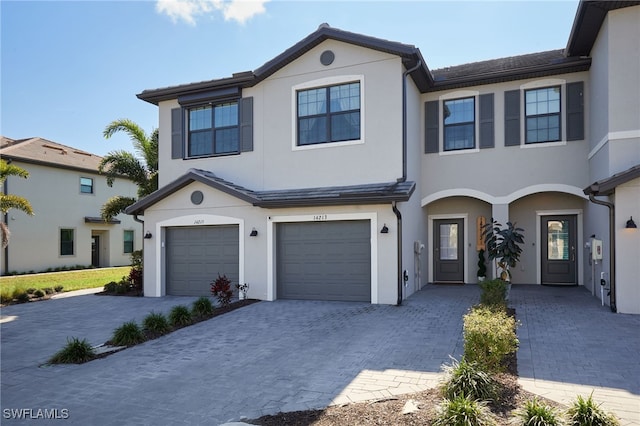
327 57
197 197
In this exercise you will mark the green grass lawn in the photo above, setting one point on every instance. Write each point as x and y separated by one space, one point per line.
69 280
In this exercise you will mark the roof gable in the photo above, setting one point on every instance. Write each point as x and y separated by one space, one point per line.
352 194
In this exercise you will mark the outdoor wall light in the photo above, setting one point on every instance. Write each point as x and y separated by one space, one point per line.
148 235
631 224
384 229
254 233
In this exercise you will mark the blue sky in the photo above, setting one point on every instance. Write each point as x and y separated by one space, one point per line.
70 68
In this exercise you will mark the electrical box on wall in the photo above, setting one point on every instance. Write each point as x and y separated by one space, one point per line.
596 249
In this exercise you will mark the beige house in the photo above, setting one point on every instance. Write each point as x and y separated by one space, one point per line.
66 193
346 169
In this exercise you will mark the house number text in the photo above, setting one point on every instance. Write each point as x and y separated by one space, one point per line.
198 222
320 217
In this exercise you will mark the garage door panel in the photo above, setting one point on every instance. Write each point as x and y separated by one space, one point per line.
324 260
196 255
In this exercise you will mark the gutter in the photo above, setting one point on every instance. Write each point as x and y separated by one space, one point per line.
402 179
612 249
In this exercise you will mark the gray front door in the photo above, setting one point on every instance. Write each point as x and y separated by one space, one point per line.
324 260
95 251
559 264
196 255
448 247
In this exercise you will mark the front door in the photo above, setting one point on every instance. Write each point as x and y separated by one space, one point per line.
95 251
448 247
559 264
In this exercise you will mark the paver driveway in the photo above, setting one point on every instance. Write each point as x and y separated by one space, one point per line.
291 355
263 358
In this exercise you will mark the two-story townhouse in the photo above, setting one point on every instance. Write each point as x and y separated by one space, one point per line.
66 193
344 169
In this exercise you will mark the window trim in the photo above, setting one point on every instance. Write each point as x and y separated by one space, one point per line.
466 123
317 84
92 187
187 132
73 245
459 94
525 128
124 241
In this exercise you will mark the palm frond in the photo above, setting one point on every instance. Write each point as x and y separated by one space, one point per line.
7 170
123 163
114 206
138 136
10 201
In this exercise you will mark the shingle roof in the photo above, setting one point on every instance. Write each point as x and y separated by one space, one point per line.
510 68
335 195
42 151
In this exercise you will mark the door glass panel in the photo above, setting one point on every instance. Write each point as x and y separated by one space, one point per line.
449 241
558 240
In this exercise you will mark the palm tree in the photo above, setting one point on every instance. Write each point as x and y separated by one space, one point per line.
10 201
141 168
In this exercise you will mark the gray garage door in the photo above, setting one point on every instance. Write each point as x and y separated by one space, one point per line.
324 260
195 256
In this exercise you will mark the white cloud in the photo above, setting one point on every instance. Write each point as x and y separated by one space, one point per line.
232 10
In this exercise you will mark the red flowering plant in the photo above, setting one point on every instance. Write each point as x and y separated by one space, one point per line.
221 288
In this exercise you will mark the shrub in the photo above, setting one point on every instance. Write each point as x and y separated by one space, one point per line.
110 287
494 293
156 324
39 293
202 307
48 290
20 296
31 290
466 379
128 334
585 412
535 413
5 297
76 351
58 288
180 316
221 288
489 336
462 411
135 278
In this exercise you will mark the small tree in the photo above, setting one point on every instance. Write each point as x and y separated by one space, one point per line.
10 201
503 245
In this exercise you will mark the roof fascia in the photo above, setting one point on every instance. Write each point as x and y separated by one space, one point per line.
52 165
608 185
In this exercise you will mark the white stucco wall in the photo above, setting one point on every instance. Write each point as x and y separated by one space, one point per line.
628 248
54 194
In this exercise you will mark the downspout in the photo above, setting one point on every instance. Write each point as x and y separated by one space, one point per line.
402 179
612 250
6 222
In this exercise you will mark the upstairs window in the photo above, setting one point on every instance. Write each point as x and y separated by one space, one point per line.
459 124
213 130
542 110
328 114
86 185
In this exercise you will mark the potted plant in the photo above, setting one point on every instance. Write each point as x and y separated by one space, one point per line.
503 246
482 267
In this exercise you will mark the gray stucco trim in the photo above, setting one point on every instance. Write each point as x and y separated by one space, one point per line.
325 196
608 186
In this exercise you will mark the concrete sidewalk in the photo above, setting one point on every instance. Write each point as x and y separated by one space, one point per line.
294 355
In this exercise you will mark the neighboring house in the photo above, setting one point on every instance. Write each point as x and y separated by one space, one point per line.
344 169
66 193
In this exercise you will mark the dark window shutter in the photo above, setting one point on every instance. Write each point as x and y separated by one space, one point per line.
486 121
431 134
512 118
246 124
575 111
177 146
